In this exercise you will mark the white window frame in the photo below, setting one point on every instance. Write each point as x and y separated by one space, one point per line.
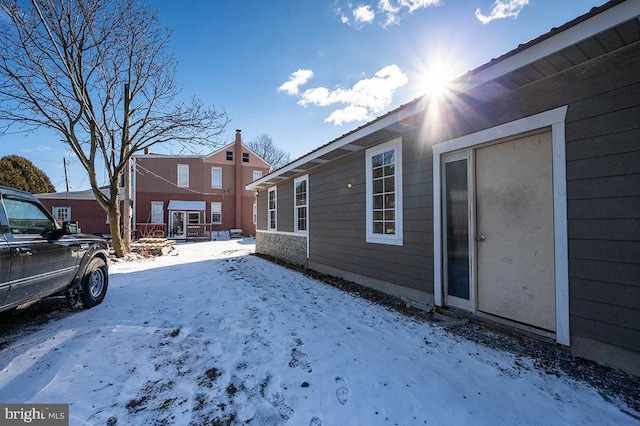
216 207
216 181
297 207
390 239
183 178
272 226
255 212
154 205
55 212
257 174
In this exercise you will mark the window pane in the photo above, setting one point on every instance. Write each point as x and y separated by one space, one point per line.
389 157
376 160
26 218
378 202
389 184
457 222
389 170
378 186
377 227
390 228
390 201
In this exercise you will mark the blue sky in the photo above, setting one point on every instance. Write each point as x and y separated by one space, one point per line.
307 71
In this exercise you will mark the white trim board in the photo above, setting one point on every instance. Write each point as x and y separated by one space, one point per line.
555 119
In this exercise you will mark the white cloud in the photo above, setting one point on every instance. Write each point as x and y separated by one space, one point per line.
502 9
366 97
390 9
347 115
363 14
296 80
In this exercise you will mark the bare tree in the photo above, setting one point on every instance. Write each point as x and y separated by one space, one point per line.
264 147
65 64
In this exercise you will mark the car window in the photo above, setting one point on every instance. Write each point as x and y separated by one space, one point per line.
26 217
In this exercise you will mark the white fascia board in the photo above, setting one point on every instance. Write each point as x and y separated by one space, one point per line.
380 124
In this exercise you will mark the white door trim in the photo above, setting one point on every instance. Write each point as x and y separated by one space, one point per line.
555 119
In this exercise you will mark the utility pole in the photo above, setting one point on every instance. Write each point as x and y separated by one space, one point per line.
66 178
126 209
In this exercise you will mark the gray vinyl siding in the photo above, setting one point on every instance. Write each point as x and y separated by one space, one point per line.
338 220
263 209
603 192
285 206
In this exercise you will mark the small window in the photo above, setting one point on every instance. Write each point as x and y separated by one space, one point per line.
245 157
157 212
229 155
26 217
255 213
216 177
193 218
216 212
273 204
300 204
384 193
183 175
257 174
62 213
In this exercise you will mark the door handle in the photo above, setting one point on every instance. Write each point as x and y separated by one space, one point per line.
24 251
480 238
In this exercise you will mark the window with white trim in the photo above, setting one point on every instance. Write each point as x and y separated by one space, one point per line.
183 175
257 174
62 213
384 193
216 212
300 201
216 177
255 212
273 204
157 212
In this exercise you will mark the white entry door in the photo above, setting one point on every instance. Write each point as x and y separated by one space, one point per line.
498 240
514 231
177 228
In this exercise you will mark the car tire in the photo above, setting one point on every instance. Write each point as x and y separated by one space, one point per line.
93 287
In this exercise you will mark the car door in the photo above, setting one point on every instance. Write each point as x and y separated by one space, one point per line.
39 265
5 267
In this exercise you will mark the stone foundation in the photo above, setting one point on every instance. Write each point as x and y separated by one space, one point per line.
290 248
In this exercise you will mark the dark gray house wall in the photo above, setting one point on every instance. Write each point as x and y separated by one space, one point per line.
598 81
337 217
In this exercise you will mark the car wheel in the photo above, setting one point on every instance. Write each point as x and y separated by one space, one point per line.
93 288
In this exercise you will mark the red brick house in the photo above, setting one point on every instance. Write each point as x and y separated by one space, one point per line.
80 206
178 196
192 196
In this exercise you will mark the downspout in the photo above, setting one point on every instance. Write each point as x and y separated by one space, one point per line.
238 170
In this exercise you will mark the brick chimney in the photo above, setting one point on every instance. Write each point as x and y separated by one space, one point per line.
238 164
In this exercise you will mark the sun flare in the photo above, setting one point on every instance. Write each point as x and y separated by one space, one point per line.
436 81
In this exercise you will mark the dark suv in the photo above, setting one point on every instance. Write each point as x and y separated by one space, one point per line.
40 258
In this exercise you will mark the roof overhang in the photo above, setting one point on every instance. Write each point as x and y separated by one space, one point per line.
186 205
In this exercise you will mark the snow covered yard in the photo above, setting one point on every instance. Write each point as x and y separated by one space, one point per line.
215 336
